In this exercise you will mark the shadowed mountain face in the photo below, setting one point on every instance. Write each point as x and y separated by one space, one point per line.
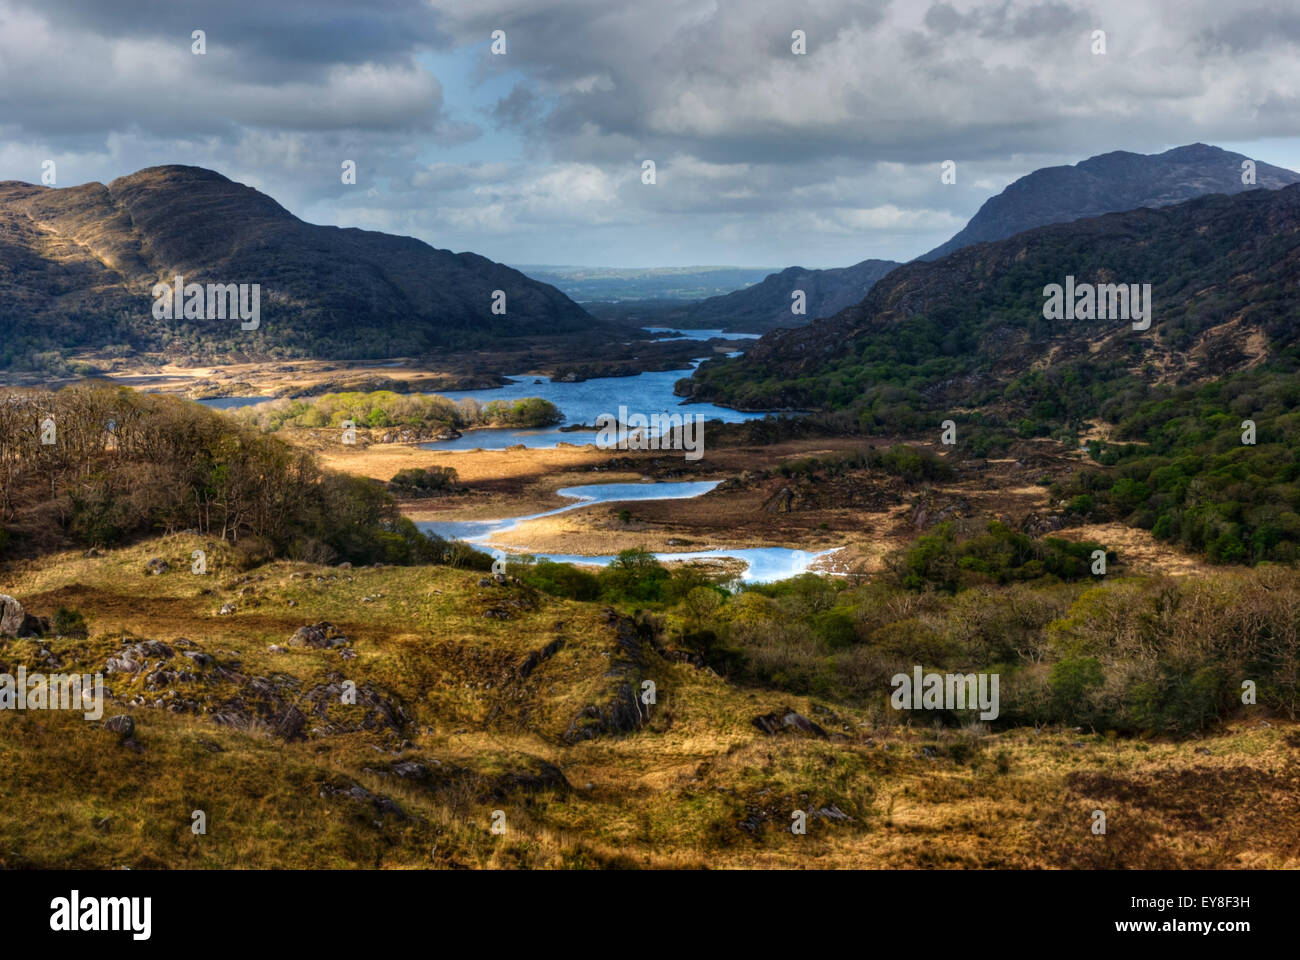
767 305
78 264
1110 183
970 329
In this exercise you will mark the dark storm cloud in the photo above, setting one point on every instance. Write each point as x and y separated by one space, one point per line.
270 33
538 153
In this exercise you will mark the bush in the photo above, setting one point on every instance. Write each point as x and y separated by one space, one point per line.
68 623
429 481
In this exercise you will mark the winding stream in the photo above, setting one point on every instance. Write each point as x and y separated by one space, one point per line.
762 564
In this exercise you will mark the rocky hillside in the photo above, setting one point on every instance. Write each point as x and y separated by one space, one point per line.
1109 183
77 266
766 305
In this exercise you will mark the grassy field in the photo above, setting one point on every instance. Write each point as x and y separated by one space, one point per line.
478 698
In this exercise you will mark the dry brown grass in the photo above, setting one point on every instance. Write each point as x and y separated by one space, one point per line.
698 786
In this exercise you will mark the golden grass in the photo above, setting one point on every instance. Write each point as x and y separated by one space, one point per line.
698 786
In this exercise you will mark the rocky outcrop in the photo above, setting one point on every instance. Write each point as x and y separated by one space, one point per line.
787 720
621 711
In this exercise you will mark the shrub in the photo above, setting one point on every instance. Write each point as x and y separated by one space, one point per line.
68 623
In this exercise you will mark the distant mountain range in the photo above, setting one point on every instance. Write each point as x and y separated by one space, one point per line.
621 284
1108 183
78 264
767 305
970 331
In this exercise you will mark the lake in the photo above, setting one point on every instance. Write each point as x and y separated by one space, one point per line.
762 564
648 393
700 334
580 403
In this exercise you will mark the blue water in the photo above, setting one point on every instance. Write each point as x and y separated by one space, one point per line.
479 531
230 403
581 403
700 334
762 564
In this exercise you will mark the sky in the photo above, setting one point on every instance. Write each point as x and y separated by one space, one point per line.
763 156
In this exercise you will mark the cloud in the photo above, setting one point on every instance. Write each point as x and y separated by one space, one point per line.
825 159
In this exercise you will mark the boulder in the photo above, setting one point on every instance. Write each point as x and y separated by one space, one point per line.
11 616
319 636
122 723
787 720
156 567
134 658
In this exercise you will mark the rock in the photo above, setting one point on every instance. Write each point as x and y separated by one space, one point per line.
11 616
226 609
156 567
411 769
1204 751
345 565
319 636
122 723
378 802
276 648
34 626
134 658
202 659
787 720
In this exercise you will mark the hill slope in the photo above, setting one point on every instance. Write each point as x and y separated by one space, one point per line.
1109 183
766 305
77 266
1222 270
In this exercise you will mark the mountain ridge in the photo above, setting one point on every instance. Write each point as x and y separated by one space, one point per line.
946 330
77 265
1108 183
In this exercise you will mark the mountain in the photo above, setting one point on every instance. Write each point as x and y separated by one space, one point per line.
623 284
1109 183
969 330
78 264
766 305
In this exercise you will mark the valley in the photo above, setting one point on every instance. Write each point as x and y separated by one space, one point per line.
362 592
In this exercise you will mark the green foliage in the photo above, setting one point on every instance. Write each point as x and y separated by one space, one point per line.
169 464
424 481
913 464
946 560
381 409
634 577
1188 477
68 622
